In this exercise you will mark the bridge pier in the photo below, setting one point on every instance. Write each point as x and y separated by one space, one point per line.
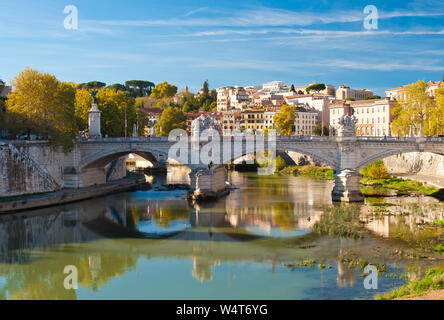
347 186
208 183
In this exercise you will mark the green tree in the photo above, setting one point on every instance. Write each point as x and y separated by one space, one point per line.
139 88
164 90
92 85
417 109
292 89
206 88
172 118
316 87
317 130
117 87
285 119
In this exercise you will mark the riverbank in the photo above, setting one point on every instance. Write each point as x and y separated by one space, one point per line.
309 171
430 287
26 202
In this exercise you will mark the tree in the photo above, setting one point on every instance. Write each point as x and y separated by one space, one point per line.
92 85
139 88
437 118
116 107
189 107
285 119
417 109
317 130
205 88
372 97
172 118
83 102
292 89
316 87
117 87
164 90
42 105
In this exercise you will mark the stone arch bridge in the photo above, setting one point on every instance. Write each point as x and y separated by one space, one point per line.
347 155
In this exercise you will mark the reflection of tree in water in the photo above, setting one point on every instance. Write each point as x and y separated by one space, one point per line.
43 280
283 216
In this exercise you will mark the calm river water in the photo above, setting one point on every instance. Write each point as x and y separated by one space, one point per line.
156 245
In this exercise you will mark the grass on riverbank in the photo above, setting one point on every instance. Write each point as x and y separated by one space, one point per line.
309 170
433 280
377 181
383 187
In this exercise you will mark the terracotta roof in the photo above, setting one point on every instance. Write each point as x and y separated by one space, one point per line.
149 111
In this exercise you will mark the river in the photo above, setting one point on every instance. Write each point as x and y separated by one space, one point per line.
256 243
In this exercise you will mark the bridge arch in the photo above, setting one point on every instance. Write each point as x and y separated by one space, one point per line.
393 152
104 157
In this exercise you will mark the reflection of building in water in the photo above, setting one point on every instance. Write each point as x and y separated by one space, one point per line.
95 265
287 216
346 275
203 262
402 213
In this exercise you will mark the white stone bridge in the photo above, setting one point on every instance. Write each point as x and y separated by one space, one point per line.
347 155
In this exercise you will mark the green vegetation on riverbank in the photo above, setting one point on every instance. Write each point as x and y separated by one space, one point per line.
377 182
309 170
433 280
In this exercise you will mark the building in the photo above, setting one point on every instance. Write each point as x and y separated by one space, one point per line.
304 122
253 121
373 116
7 90
153 115
233 98
274 86
345 92
400 93
318 102
231 121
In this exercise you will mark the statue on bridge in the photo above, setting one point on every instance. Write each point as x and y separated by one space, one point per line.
94 96
347 126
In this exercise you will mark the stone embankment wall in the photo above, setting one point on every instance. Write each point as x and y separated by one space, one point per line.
29 168
416 162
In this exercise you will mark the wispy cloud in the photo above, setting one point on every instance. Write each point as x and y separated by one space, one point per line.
264 17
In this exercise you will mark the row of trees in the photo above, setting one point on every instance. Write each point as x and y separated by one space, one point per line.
134 88
419 108
42 105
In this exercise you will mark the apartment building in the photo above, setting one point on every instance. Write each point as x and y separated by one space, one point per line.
345 92
233 98
373 116
304 122
253 121
231 122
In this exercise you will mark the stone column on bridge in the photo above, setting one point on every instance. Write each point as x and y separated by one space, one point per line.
94 121
347 178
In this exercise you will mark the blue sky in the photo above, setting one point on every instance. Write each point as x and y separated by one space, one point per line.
227 42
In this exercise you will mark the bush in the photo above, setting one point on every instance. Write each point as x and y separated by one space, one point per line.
280 163
376 170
